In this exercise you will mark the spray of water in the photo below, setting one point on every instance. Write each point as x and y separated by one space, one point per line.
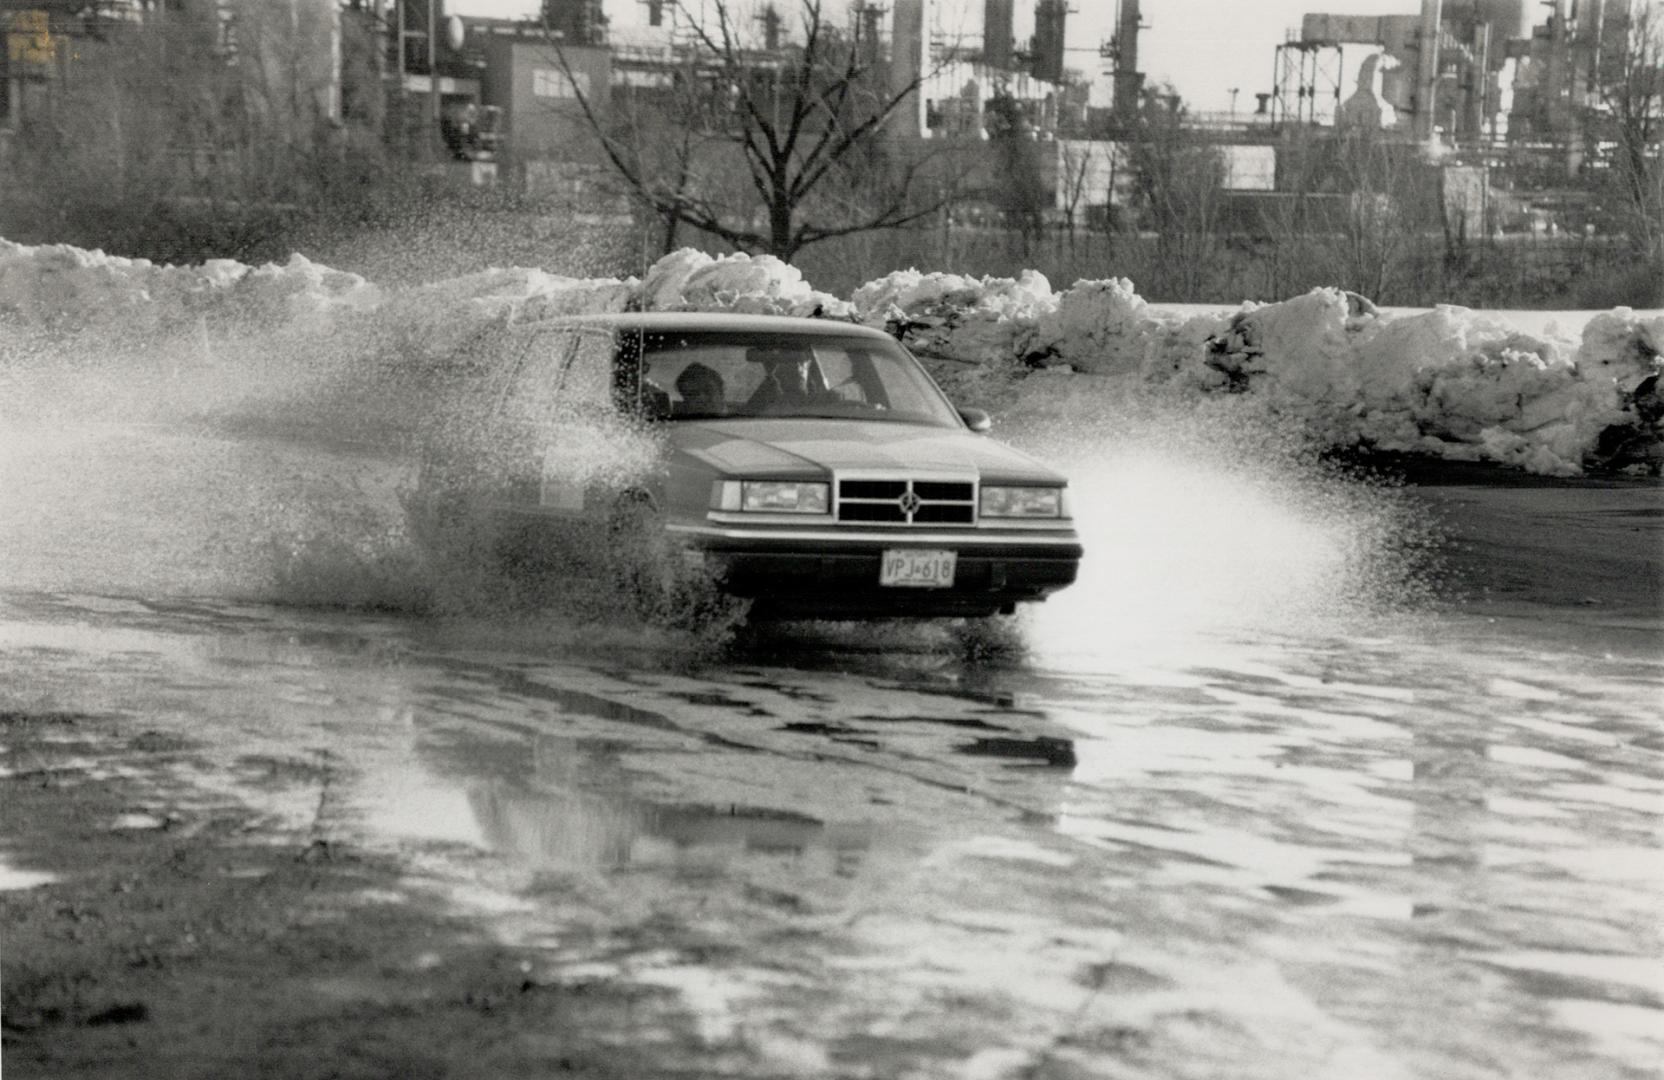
279 460
1204 516
280 464
1202 519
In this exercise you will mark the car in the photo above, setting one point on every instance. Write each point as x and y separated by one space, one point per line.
810 466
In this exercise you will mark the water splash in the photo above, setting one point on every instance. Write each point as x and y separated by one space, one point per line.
281 465
1208 516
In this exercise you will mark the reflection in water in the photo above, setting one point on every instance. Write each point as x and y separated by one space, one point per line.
22 879
1442 834
1343 847
576 811
1443 995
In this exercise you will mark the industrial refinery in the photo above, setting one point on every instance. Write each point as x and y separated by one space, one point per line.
1508 104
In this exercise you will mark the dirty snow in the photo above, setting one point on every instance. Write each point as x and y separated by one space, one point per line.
1449 382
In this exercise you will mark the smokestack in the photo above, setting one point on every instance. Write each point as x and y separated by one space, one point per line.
1050 17
1129 81
909 60
1427 67
998 31
772 22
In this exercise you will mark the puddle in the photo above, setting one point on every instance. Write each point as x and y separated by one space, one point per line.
12 879
576 811
1041 750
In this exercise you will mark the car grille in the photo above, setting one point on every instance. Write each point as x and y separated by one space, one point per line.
907 502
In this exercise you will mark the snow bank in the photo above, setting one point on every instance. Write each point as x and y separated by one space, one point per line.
59 286
1449 382
988 321
1106 328
689 280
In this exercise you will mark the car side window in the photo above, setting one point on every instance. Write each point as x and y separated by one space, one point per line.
532 389
562 372
587 380
698 379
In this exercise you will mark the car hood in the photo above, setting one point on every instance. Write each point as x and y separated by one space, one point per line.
798 446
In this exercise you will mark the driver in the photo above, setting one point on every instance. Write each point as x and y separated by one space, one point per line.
785 377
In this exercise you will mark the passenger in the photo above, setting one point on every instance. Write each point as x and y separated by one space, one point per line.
702 390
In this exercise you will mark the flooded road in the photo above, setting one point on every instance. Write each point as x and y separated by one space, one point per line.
1257 798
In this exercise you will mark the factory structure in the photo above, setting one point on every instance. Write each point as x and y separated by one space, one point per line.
1505 97
1461 71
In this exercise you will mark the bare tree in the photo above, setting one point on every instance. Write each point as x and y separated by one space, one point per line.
672 134
1181 187
1290 215
1082 168
1632 96
1020 191
192 131
1386 216
803 122
1371 236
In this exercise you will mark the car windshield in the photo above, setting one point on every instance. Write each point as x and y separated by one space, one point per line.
705 375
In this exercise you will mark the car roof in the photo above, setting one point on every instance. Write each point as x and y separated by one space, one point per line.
668 321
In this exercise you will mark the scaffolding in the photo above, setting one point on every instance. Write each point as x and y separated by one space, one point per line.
1307 83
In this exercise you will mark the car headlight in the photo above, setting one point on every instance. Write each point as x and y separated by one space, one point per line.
776 496
1022 502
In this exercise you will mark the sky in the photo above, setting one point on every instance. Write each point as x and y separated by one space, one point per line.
1203 47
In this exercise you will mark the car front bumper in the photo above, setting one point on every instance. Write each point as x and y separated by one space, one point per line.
834 573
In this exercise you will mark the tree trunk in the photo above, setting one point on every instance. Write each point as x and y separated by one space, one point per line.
780 241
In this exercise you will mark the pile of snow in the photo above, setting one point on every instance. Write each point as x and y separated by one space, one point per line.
1105 328
59 286
1450 382
689 280
986 321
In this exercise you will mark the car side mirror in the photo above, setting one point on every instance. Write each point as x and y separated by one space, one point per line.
976 419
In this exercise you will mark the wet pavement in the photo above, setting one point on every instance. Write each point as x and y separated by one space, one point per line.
1414 845
1282 788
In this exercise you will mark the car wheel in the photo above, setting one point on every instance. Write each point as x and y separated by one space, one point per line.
636 554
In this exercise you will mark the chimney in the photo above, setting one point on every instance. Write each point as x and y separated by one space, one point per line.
997 33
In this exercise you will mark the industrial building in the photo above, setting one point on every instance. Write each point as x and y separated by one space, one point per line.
1502 107
1510 92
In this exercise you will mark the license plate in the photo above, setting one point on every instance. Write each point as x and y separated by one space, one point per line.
917 569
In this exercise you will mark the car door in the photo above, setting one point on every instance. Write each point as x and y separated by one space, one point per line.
560 418
461 439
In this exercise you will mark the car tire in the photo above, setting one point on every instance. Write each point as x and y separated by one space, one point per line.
636 554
